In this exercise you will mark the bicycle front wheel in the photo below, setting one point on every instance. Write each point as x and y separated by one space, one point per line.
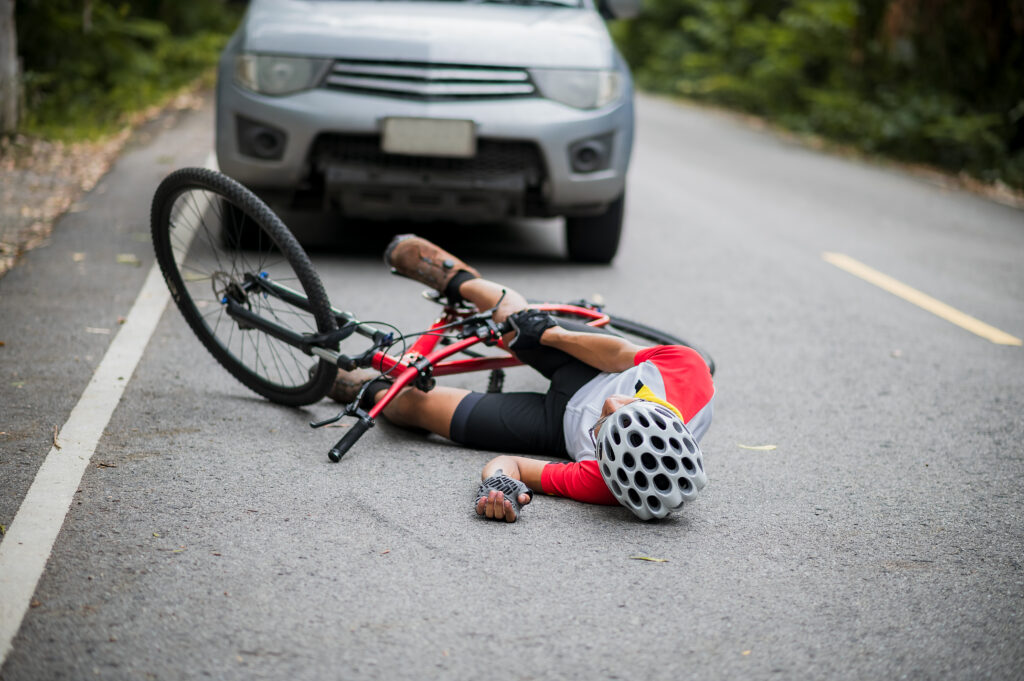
214 238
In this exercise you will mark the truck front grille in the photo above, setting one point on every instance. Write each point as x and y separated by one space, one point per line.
429 81
494 158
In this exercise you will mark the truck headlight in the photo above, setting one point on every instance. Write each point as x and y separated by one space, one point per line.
578 88
270 74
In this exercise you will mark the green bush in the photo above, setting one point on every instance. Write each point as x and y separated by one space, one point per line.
933 82
84 70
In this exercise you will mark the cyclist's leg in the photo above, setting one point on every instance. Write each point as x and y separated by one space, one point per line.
485 294
502 422
433 411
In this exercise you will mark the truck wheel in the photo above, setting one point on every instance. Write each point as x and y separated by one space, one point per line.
595 238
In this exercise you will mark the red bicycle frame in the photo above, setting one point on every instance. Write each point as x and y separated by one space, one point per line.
425 353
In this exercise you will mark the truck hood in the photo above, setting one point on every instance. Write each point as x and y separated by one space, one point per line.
434 32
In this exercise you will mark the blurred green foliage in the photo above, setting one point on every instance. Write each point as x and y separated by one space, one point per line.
933 81
87 63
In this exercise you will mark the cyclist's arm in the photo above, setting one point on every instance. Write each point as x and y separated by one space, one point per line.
518 467
601 351
579 480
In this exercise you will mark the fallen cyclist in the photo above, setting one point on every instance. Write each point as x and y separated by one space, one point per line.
627 418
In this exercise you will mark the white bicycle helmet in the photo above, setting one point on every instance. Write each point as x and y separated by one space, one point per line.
649 459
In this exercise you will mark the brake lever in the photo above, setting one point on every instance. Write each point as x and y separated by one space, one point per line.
484 317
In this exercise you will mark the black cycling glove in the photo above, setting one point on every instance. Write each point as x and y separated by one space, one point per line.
529 325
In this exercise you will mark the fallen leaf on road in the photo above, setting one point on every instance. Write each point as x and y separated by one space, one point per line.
97 330
128 259
648 558
106 465
56 432
757 448
3 530
35 604
156 534
78 257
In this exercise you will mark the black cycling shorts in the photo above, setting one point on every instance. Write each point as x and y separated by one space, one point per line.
525 423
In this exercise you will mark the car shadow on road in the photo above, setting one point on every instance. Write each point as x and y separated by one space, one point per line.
538 242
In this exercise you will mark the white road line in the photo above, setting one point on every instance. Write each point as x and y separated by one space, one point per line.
28 542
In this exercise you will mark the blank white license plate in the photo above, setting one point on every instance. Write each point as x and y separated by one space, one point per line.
429 137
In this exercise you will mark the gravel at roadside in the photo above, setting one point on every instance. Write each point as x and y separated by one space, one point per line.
40 180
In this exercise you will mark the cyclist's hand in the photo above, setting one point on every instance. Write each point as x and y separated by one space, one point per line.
496 506
528 325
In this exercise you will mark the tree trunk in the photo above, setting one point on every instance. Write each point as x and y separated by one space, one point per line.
9 77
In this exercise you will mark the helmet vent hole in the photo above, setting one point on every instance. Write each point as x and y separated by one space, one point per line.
700 463
678 426
628 461
658 421
674 444
616 489
684 484
691 446
623 478
625 421
670 464
648 461
610 454
616 437
634 498
607 471
640 480
653 503
688 464
658 443
635 439
643 421
662 482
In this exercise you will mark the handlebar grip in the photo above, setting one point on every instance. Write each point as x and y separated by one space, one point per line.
345 443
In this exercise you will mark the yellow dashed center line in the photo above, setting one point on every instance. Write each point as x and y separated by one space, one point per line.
922 300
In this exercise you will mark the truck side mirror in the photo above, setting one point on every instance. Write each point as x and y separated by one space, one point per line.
619 9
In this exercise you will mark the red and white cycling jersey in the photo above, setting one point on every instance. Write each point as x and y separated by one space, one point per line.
671 374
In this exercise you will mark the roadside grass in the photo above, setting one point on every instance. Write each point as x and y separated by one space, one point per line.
79 110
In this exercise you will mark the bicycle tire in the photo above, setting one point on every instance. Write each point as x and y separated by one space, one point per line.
644 334
656 336
204 259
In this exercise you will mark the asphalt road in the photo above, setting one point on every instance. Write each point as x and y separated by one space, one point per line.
881 537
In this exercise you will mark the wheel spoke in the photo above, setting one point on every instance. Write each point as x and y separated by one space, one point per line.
214 247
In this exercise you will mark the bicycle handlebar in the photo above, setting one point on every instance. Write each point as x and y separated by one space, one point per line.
345 443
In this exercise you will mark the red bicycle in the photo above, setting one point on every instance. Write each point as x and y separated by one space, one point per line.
251 294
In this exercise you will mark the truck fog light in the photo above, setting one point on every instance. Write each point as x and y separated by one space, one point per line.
592 154
260 140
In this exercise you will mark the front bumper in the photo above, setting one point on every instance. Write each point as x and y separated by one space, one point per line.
320 119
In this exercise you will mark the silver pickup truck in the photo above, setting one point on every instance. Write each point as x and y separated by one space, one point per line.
475 111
